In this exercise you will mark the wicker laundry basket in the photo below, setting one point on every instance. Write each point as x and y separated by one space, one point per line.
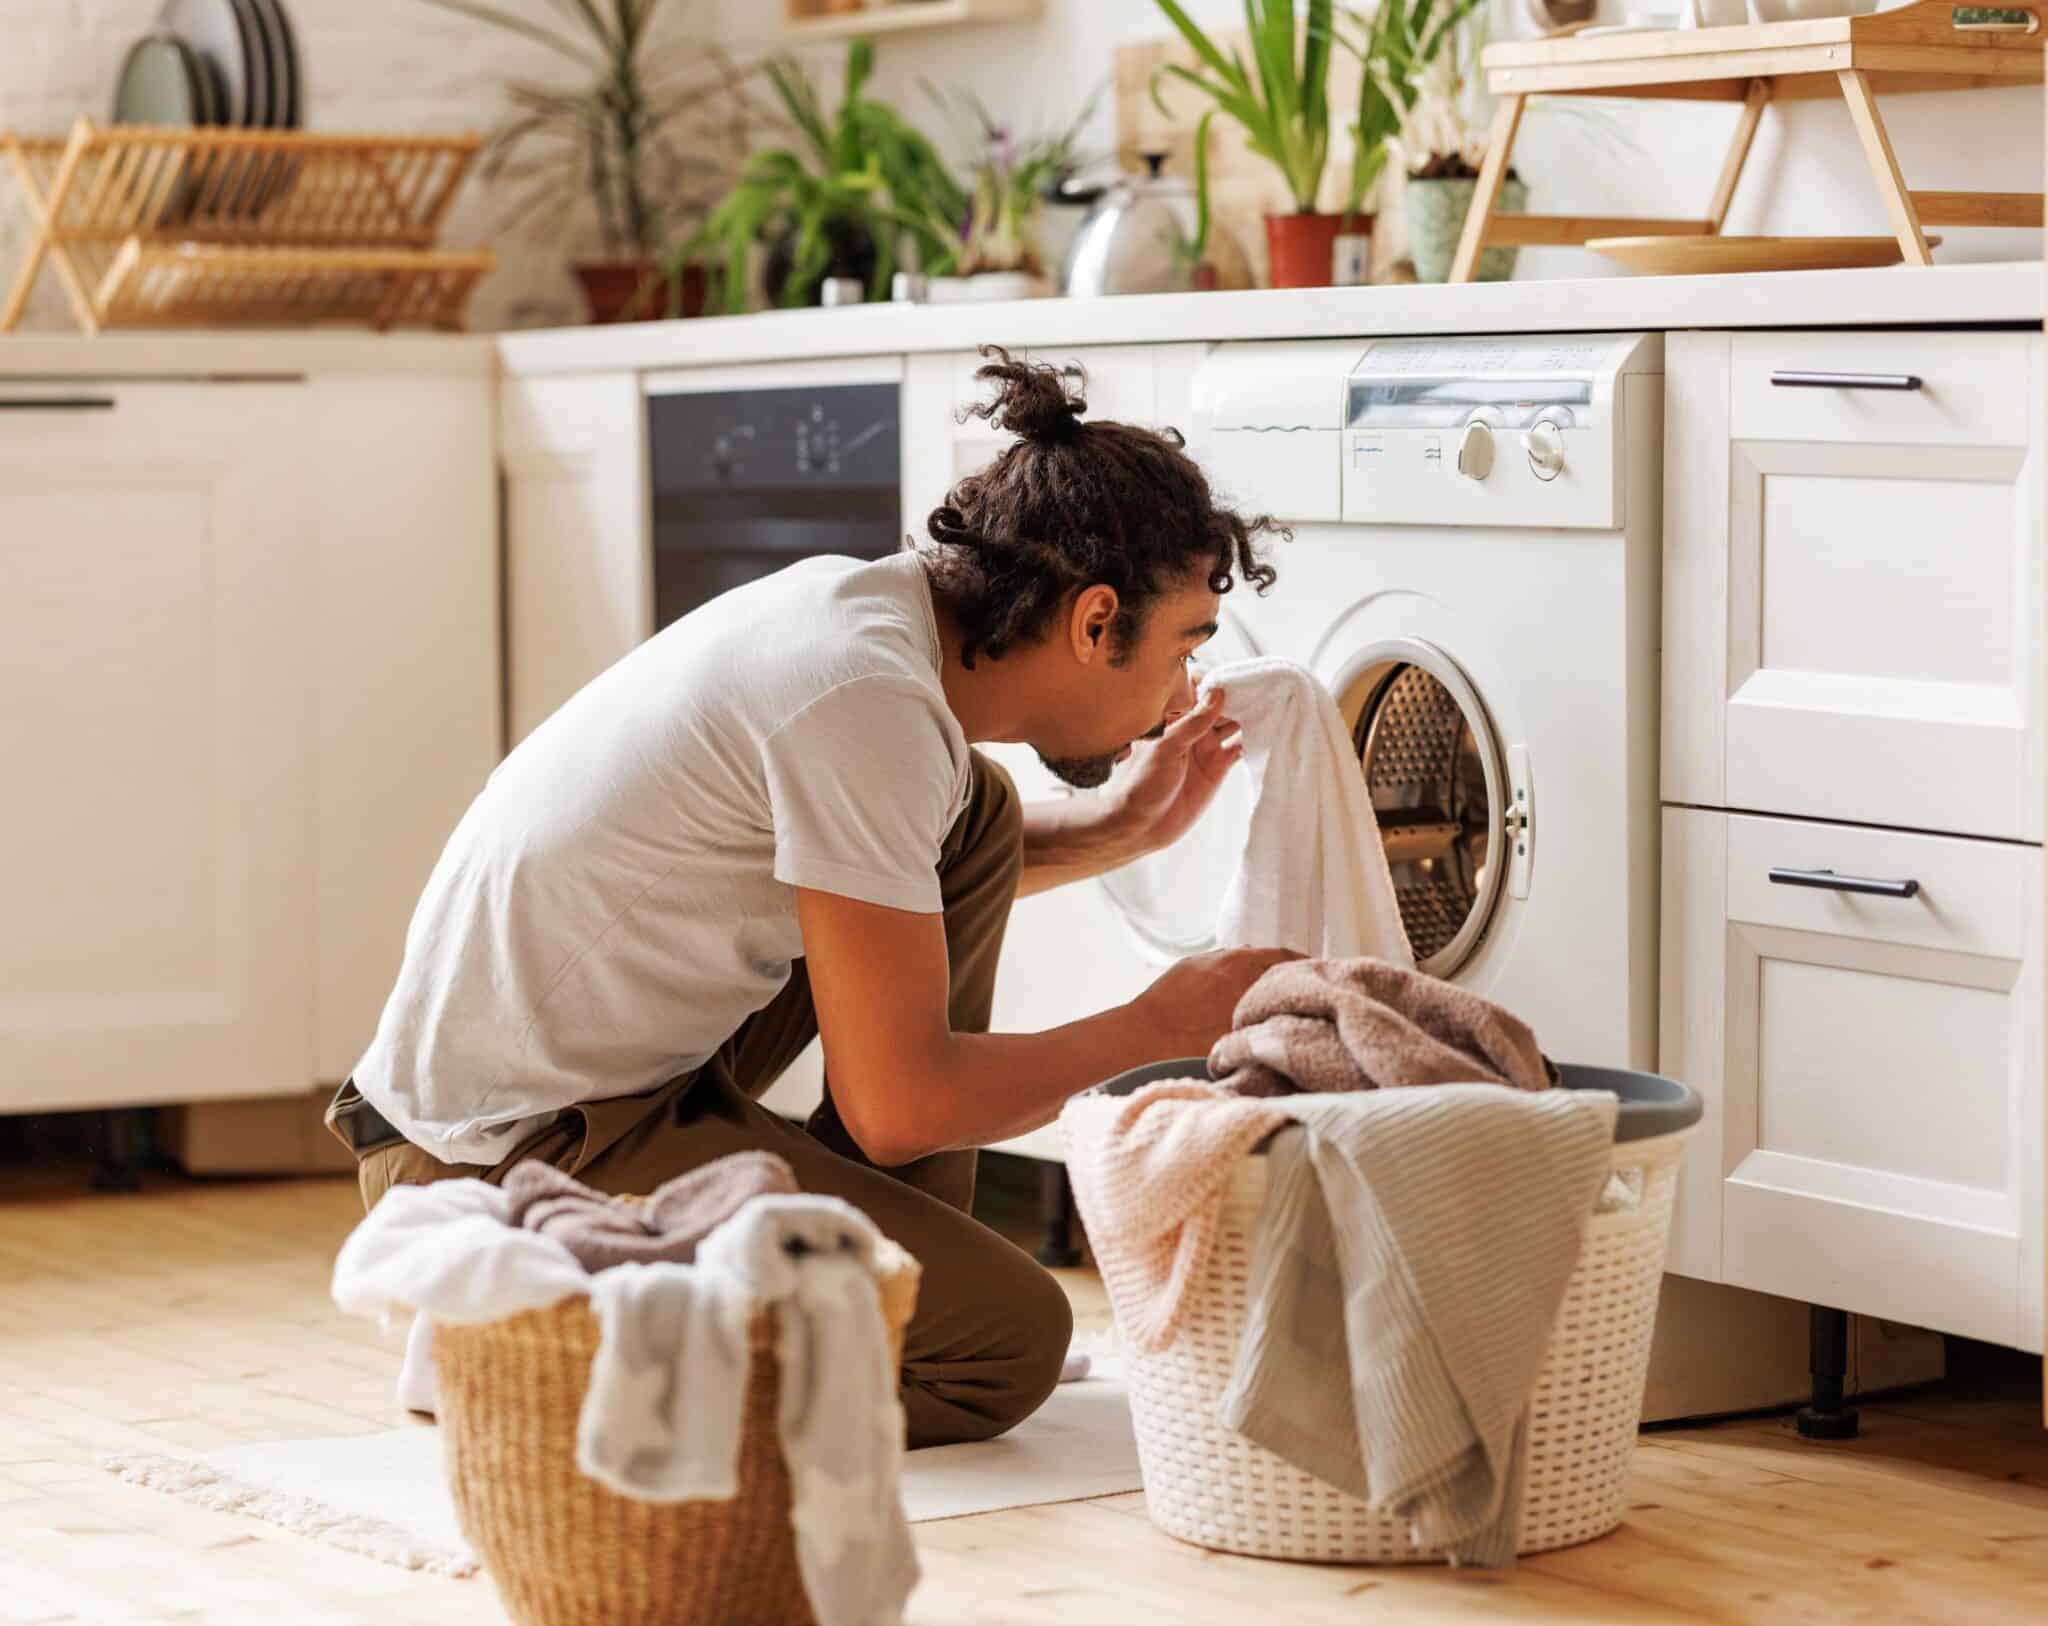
565 1550
1211 1486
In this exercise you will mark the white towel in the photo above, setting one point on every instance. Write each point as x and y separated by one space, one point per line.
662 1412
676 1334
1413 1252
1313 876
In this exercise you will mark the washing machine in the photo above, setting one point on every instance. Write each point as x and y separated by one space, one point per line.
1473 573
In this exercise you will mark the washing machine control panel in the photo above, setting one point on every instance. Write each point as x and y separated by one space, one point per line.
1515 431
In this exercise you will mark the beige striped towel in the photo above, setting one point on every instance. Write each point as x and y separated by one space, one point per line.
1412 1256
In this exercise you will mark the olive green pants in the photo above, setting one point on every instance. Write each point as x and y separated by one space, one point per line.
984 1348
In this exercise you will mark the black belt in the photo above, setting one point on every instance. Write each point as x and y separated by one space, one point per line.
362 1127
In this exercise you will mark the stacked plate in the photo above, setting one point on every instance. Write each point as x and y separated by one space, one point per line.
217 62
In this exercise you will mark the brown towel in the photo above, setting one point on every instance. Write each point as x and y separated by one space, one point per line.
602 1231
1363 1024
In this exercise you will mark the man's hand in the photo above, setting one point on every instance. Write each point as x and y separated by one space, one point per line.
1169 782
1193 1001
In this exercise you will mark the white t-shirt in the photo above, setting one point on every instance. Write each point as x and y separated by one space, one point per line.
619 897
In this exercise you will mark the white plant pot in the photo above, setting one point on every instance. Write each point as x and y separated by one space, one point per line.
989 285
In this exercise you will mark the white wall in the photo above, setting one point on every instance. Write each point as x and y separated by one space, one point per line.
399 64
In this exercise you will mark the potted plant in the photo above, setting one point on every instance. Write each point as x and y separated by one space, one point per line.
1001 254
1282 102
649 141
1417 97
838 208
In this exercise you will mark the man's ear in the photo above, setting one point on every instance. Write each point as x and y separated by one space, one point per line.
1093 622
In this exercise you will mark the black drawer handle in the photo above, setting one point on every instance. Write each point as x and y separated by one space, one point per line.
56 403
1845 381
1828 881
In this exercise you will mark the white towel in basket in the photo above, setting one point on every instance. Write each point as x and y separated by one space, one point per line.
1413 1252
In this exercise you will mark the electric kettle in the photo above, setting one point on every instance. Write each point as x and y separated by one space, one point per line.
1138 238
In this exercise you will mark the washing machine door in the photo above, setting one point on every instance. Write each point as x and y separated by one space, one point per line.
1432 763
1169 901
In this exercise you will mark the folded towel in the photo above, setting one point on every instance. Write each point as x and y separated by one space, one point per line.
603 1231
661 1420
1413 1253
1313 876
1148 1170
1363 1024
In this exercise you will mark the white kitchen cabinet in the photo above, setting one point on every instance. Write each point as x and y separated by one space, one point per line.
579 587
1872 1065
251 631
409 684
156 836
1854 583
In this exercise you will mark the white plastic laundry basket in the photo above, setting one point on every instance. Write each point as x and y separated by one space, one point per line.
1211 1486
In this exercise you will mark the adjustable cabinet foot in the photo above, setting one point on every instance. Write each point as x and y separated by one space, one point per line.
120 1151
1828 1417
1059 1250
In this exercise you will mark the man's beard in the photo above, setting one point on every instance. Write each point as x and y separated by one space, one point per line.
1083 773
1090 773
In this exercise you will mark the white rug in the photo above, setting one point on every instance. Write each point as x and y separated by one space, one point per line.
385 1496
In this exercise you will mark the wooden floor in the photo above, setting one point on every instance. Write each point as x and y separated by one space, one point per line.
196 1315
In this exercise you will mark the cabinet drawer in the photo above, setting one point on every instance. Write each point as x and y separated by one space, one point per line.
1853 608
1971 388
1872 1064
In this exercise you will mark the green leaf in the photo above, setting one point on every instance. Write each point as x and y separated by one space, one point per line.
1201 44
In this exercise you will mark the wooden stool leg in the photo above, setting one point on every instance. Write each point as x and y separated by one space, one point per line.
1884 167
1500 144
1738 154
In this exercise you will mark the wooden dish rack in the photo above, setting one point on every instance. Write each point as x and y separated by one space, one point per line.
1933 45
157 226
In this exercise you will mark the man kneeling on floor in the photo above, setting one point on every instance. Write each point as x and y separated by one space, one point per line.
766 825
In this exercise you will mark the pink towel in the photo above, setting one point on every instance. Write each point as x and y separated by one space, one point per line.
1148 1169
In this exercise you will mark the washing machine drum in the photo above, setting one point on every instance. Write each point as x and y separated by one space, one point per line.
1433 770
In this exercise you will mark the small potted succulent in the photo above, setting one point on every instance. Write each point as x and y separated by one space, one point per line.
648 142
1001 254
1418 96
1282 102
834 206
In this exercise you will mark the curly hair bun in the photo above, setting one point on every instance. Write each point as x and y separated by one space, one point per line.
1032 399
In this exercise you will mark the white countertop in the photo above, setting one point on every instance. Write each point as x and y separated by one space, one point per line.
2006 292
239 353
1953 295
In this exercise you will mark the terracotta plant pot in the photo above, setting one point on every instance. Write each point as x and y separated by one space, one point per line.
636 291
1301 249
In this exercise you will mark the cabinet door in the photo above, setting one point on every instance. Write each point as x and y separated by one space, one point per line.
155 838
410 689
1872 1065
579 567
1854 583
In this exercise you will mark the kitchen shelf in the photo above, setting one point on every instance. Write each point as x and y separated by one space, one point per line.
148 225
815 19
1932 45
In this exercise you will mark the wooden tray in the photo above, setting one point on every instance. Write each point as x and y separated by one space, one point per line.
1681 256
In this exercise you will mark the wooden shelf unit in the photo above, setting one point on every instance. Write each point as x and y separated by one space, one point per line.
1920 47
820 19
151 225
